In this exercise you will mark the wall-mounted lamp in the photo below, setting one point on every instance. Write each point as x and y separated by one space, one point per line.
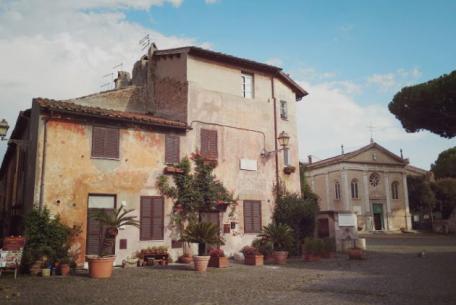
3 129
283 139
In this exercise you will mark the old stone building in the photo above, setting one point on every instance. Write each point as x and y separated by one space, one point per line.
370 182
107 149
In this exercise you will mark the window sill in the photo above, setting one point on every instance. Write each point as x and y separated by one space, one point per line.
104 158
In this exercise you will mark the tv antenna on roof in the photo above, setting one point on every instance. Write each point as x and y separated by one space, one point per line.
108 85
118 66
144 42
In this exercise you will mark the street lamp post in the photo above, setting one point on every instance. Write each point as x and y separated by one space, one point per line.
283 139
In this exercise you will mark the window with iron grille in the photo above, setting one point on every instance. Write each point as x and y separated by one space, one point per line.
247 85
283 110
105 142
209 148
252 216
172 147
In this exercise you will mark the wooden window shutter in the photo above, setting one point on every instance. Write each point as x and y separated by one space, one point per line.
151 218
105 142
145 229
93 233
172 149
98 135
252 216
157 218
209 148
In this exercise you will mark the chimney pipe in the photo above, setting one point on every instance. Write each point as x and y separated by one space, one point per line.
342 149
123 80
309 157
402 155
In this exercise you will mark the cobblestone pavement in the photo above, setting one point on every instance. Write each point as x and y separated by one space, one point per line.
392 274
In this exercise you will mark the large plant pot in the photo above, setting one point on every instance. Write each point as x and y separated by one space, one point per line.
355 253
201 263
254 260
100 267
311 257
280 257
185 259
219 262
64 269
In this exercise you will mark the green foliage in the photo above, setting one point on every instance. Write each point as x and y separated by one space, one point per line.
421 196
314 246
195 192
279 234
445 194
299 214
263 246
45 237
202 233
430 106
114 221
445 165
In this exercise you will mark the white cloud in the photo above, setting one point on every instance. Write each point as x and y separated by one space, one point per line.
61 49
330 117
211 1
394 80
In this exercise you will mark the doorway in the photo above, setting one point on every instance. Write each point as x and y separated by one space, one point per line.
377 209
95 230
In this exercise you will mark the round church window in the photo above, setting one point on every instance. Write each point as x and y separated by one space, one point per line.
374 179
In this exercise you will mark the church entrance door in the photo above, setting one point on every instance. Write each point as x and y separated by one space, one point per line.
378 216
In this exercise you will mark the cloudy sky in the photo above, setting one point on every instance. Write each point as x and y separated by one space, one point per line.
351 56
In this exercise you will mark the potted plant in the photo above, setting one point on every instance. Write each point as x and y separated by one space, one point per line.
329 247
100 266
252 256
218 258
265 248
281 238
64 266
202 233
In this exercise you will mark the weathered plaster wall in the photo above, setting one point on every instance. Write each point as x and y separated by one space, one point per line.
71 175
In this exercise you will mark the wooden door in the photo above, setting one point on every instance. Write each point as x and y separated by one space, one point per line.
95 230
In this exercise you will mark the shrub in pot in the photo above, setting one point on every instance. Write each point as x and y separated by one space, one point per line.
329 247
218 258
64 266
265 248
281 237
100 266
204 234
252 256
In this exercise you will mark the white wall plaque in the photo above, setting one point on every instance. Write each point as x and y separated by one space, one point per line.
347 220
248 165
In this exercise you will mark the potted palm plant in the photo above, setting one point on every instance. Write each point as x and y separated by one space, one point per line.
100 266
204 234
281 238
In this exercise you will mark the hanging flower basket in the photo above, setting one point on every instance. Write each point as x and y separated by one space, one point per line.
170 169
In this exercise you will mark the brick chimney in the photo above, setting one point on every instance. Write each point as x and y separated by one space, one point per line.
123 80
309 157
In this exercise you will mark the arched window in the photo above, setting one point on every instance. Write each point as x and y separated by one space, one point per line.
354 188
337 189
395 190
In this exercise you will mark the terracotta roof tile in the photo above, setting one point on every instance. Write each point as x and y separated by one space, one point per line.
142 118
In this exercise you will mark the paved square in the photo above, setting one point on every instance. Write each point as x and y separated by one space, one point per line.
392 274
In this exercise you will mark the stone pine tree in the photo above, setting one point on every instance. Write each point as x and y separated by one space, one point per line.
430 106
445 165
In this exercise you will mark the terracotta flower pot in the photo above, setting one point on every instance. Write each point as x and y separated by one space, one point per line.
185 259
254 260
355 253
280 257
201 263
100 267
64 269
219 262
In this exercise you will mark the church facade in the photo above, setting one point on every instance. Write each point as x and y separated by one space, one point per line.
370 182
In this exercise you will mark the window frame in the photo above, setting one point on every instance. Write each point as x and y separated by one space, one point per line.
247 75
395 190
167 158
284 110
337 190
210 155
151 238
355 189
103 156
254 230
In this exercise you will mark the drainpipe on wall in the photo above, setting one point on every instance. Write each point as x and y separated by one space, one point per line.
275 135
43 163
